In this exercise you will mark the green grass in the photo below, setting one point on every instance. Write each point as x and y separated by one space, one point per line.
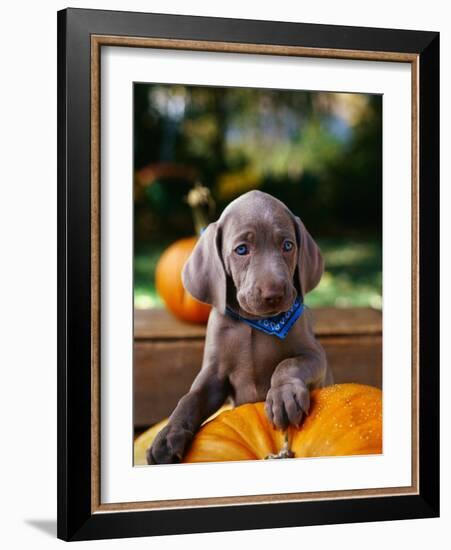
146 258
353 275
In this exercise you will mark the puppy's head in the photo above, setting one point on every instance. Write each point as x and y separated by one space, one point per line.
255 258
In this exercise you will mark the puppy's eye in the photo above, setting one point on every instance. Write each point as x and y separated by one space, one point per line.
242 250
287 246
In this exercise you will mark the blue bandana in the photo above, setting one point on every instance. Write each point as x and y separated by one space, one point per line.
279 325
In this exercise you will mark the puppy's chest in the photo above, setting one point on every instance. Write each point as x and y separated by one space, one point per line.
252 359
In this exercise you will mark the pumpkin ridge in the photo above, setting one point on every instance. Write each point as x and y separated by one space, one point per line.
234 442
267 428
245 444
265 431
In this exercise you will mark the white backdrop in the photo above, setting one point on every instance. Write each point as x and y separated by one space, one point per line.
120 482
28 275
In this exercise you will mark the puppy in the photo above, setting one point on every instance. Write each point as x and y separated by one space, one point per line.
254 266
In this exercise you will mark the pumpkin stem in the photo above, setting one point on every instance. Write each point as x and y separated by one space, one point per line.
202 206
285 451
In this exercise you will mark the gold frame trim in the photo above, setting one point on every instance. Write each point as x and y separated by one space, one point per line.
97 41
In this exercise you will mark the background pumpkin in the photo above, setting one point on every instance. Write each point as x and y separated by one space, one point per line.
168 282
344 419
168 273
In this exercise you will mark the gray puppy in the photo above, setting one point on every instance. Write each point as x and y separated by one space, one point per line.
254 266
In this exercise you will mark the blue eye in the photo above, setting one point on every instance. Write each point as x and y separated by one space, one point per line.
242 250
287 246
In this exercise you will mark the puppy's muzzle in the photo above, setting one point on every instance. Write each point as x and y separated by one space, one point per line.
273 295
267 298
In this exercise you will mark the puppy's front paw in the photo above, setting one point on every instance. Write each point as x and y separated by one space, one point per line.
286 404
169 446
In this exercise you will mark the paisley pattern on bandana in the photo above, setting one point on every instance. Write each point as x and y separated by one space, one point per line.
279 325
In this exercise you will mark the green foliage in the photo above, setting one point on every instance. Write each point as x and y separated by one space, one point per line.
352 277
145 262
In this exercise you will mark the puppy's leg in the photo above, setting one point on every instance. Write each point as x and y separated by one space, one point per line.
288 398
206 395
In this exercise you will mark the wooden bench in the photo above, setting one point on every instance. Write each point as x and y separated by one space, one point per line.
168 355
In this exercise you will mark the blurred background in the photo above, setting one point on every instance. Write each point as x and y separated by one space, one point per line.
319 152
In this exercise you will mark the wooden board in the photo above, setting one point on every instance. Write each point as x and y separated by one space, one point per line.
157 324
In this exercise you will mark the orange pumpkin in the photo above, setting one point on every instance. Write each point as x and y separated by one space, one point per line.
168 280
344 419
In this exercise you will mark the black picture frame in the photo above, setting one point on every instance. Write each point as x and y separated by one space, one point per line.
76 518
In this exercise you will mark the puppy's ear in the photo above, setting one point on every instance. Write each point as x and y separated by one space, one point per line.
310 266
203 274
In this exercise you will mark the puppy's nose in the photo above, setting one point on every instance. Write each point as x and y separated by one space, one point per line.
272 296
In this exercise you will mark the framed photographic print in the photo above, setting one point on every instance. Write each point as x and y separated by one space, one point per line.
248 274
